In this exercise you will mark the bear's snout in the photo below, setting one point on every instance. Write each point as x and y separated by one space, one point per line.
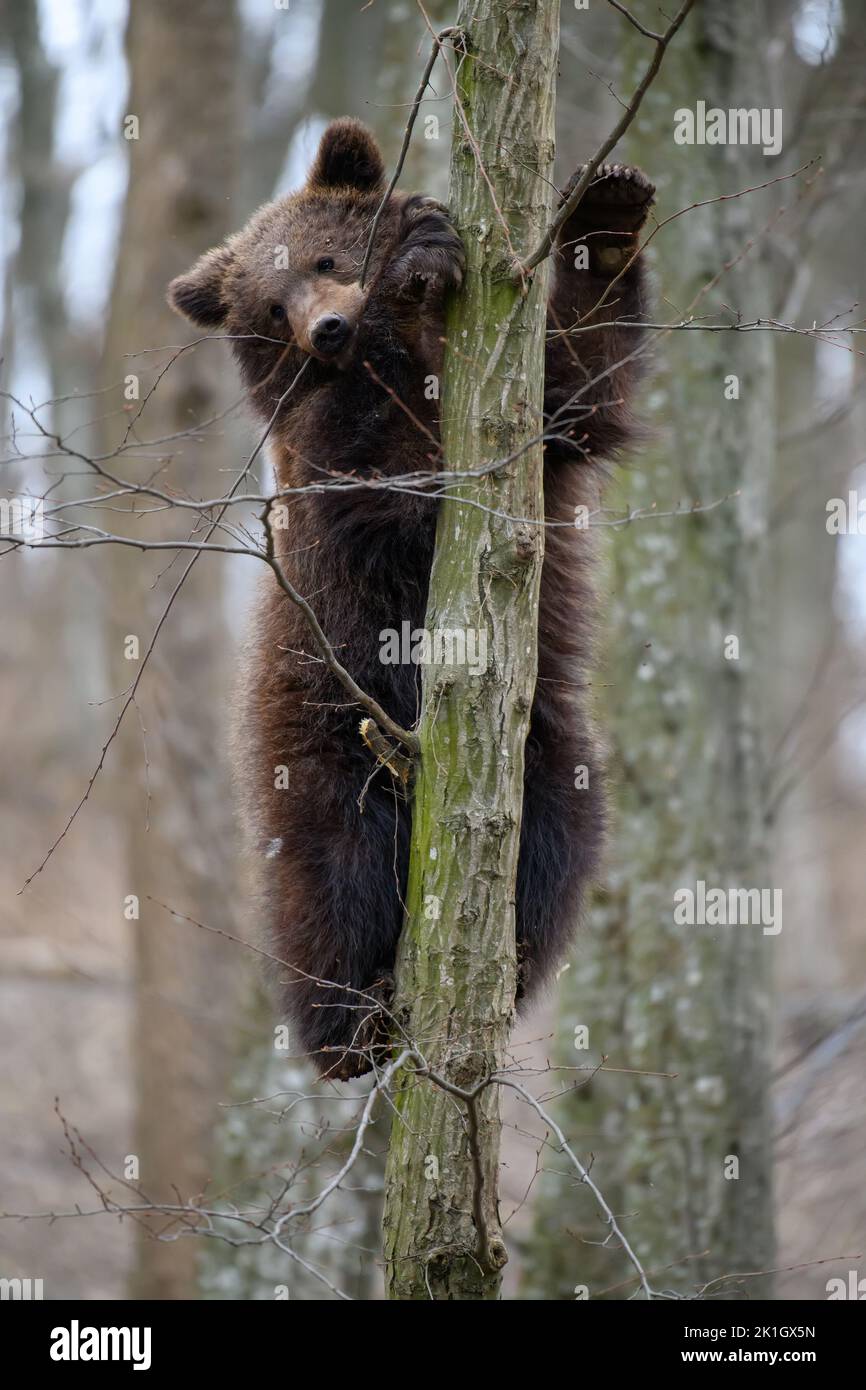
329 334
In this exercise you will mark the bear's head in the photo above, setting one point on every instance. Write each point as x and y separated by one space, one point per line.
291 279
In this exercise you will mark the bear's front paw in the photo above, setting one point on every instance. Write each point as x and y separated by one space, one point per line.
607 219
618 198
429 253
419 205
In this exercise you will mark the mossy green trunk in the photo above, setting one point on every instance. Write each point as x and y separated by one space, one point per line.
456 968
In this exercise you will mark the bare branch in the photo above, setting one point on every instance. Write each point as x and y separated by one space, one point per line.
661 41
404 148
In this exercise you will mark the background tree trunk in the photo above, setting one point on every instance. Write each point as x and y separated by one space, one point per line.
177 809
456 967
688 765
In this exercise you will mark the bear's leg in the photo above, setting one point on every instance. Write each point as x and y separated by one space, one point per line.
338 908
560 842
591 370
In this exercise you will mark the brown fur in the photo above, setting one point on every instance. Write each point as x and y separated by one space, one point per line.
334 875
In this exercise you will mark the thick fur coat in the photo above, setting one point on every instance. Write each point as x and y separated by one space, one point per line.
286 289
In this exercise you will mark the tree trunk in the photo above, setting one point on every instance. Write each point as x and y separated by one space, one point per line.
685 723
456 965
176 812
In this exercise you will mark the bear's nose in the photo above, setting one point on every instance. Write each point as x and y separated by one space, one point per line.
329 333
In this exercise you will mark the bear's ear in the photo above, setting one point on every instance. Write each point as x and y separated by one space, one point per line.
198 295
348 157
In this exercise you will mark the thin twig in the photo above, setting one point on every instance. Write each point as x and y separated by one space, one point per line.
546 244
404 148
165 612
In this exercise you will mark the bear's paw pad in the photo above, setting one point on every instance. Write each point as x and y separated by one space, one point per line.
618 187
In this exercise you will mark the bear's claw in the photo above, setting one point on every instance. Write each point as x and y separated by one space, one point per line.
429 253
420 205
617 191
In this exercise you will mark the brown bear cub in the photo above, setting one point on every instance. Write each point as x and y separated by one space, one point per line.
332 831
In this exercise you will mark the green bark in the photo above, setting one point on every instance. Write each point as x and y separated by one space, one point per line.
456 967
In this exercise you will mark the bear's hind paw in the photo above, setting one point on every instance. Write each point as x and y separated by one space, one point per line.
370 1043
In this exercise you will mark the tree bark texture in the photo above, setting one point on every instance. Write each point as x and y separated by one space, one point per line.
456 967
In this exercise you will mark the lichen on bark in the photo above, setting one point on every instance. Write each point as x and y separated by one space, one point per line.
456 967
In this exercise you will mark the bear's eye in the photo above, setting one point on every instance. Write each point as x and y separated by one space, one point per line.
278 313
324 265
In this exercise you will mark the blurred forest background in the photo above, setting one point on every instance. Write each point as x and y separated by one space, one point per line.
152 1037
